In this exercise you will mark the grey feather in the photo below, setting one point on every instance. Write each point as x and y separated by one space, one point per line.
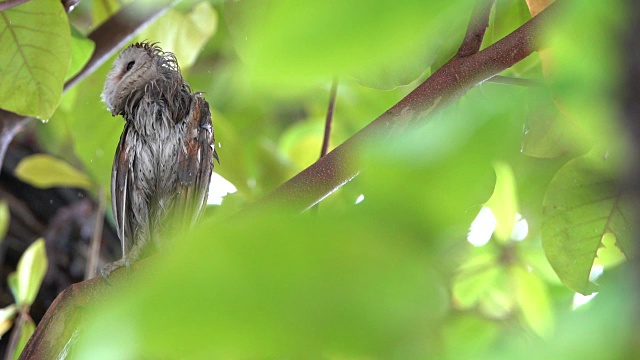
164 159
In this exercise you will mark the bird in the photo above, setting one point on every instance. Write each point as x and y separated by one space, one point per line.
163 162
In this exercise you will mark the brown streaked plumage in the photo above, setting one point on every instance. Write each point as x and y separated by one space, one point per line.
164 160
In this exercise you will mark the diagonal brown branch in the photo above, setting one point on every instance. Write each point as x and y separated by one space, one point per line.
333 170
444 86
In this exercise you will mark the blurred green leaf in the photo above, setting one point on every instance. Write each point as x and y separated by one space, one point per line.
286 41
81 50
45 171
184 34
36 38
533 300
504 203
4 219
32 267
467 336
27 330
582 204
340 284
102 10
7 314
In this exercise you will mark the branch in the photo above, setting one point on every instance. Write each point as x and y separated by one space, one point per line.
108 37
326 175
8 4
444 86
477 26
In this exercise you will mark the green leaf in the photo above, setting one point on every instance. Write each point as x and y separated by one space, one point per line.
504 203
6 318
35 41
184 34
81 50
289 41
45 171
319 285
4 219
582 204
32 267
27 330
533 299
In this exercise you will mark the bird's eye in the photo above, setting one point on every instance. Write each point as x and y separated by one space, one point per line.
130 65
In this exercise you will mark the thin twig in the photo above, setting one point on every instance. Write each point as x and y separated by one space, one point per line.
477 26
329 118
8 4
23 315
96 239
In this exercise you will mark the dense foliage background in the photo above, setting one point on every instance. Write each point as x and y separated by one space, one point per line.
477 232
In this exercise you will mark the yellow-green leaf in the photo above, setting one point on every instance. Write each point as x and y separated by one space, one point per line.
45 171
187 34
31 270
533 299
4 219
6 318
35 41
504 203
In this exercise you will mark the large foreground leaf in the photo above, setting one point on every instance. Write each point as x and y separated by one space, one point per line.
35 41
582 205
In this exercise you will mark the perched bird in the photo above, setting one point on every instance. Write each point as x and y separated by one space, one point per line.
163 162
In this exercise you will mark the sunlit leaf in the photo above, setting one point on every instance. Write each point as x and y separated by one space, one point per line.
504 202
533 299
284 41
535 6
35 41
582 204
45 171
25 282
4 219
184 34
609 255
7 314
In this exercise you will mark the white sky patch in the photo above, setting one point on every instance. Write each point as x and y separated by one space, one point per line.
520 229
579 299
218 188
359 199
482 227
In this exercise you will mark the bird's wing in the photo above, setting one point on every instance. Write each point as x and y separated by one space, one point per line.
195 162
120 184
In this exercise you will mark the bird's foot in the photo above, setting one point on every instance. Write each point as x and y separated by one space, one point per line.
111 267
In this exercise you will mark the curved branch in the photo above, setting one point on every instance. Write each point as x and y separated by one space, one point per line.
444 86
